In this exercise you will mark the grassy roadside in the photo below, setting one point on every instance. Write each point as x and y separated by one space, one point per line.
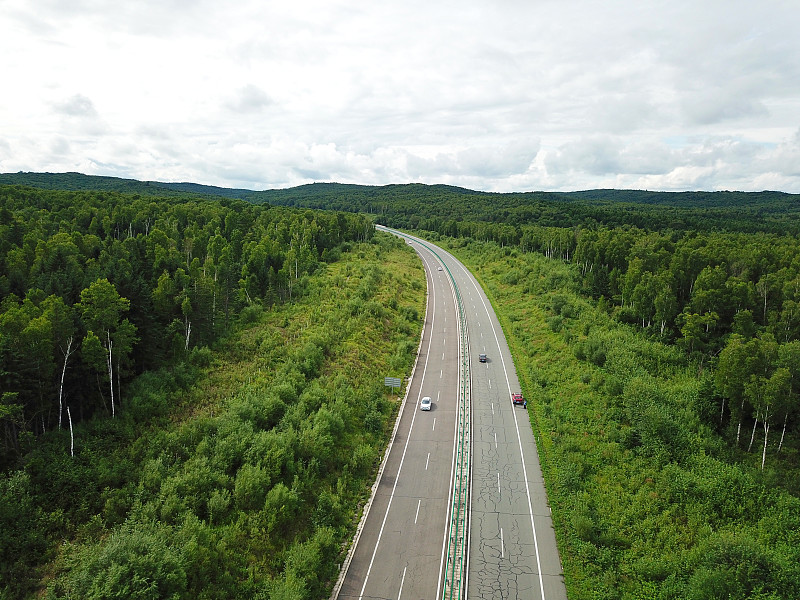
648 500
243 474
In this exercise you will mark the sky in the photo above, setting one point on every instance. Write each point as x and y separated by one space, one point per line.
493 95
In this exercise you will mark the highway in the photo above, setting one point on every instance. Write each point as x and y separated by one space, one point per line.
512 550
400 550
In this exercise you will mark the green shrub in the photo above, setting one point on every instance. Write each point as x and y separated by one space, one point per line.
251 314
136 562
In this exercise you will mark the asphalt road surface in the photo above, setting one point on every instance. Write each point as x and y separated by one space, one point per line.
400 550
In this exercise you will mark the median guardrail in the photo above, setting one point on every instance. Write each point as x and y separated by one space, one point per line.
455 579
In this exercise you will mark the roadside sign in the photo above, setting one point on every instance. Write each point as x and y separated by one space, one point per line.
393 382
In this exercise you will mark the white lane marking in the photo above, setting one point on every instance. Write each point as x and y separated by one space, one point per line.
400 593
473 281
427 460
498 483
442 355
437 395
434 424
495 440
441 373
490 384
452 469
402 456
502 550
417 515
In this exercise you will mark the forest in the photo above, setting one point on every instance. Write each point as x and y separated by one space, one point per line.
442 207
660 336
133 282
192 392
652 496
445 208
657 334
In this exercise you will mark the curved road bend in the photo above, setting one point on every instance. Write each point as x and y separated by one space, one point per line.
400 551
512 550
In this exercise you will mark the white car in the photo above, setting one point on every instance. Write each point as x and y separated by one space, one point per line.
425 404
440 268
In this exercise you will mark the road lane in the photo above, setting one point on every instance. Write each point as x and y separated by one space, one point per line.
512 548
400 550
512 552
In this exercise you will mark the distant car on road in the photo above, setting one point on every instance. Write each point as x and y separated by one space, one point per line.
482 357
517 399
425 404
440 268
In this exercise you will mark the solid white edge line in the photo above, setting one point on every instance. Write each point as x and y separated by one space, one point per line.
519 438
403 456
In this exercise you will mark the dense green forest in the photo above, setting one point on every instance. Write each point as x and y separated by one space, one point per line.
658 335
131 282
446 209
651 494
77 182
192 392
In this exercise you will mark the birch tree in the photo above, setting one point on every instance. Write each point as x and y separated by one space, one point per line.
63 328
789 359
730 378
776 391
101 309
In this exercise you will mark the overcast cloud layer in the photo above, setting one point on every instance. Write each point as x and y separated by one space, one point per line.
507 95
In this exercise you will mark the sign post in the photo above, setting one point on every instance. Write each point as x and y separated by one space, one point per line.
392 382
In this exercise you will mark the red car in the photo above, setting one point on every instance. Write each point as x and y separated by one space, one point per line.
517 398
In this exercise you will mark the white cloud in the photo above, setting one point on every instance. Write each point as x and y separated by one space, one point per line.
249 99
504 96
77 106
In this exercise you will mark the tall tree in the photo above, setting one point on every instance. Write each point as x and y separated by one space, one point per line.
101 309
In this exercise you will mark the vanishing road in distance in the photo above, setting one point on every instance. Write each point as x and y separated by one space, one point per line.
400 551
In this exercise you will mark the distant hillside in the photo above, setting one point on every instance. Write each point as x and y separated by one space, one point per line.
81 182
692 199
418 205
427 206
206 190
